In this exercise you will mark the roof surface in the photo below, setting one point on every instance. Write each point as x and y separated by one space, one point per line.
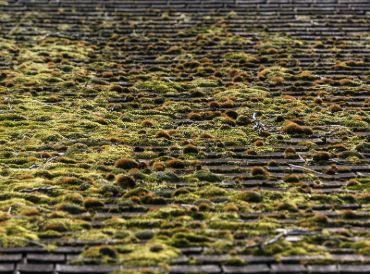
223 136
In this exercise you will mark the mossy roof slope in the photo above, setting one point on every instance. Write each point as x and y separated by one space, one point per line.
184 136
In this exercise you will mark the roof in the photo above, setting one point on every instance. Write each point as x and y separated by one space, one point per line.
223 136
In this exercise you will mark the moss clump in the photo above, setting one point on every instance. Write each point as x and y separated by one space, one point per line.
149 123
13 235
195 116
285 248
157 86
363 147
125 181
116 88
287 205
291 178
75 198
186 239
231 207
241 93
293 129
362 247
126 163
107 74
71 180
145 234
163 134
251 196
274 75
259 171
103 254
321 156
70 208
167 176
241 57
243 120
350 154
93 203
204 175
335 108
61 225
152 253
158 166
190 149
320 218
175 163
290 153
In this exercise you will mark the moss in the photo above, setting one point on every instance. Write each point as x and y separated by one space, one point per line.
167 176
362 184
229 121
292 178
293 129
363 147
175 163
62 225
74 109
126 163
362 247
194 116
231 207
125 181
241 92
152 253
149 123
285 248
349 214
251 196
71 180
335 108
163 134
290 153
259 172
91 202
321 156
241 57
204 175
319 219
212 191
104 254
186 239
243 120
16 235
190 149
158 166
157 86
348 154
70 208
274 75
287 205
144 234
152 199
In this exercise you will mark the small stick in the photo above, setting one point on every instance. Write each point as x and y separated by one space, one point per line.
305 168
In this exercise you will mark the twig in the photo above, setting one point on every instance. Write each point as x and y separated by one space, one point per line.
282 234
258 125
275 239
36 243
42 188
305 168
